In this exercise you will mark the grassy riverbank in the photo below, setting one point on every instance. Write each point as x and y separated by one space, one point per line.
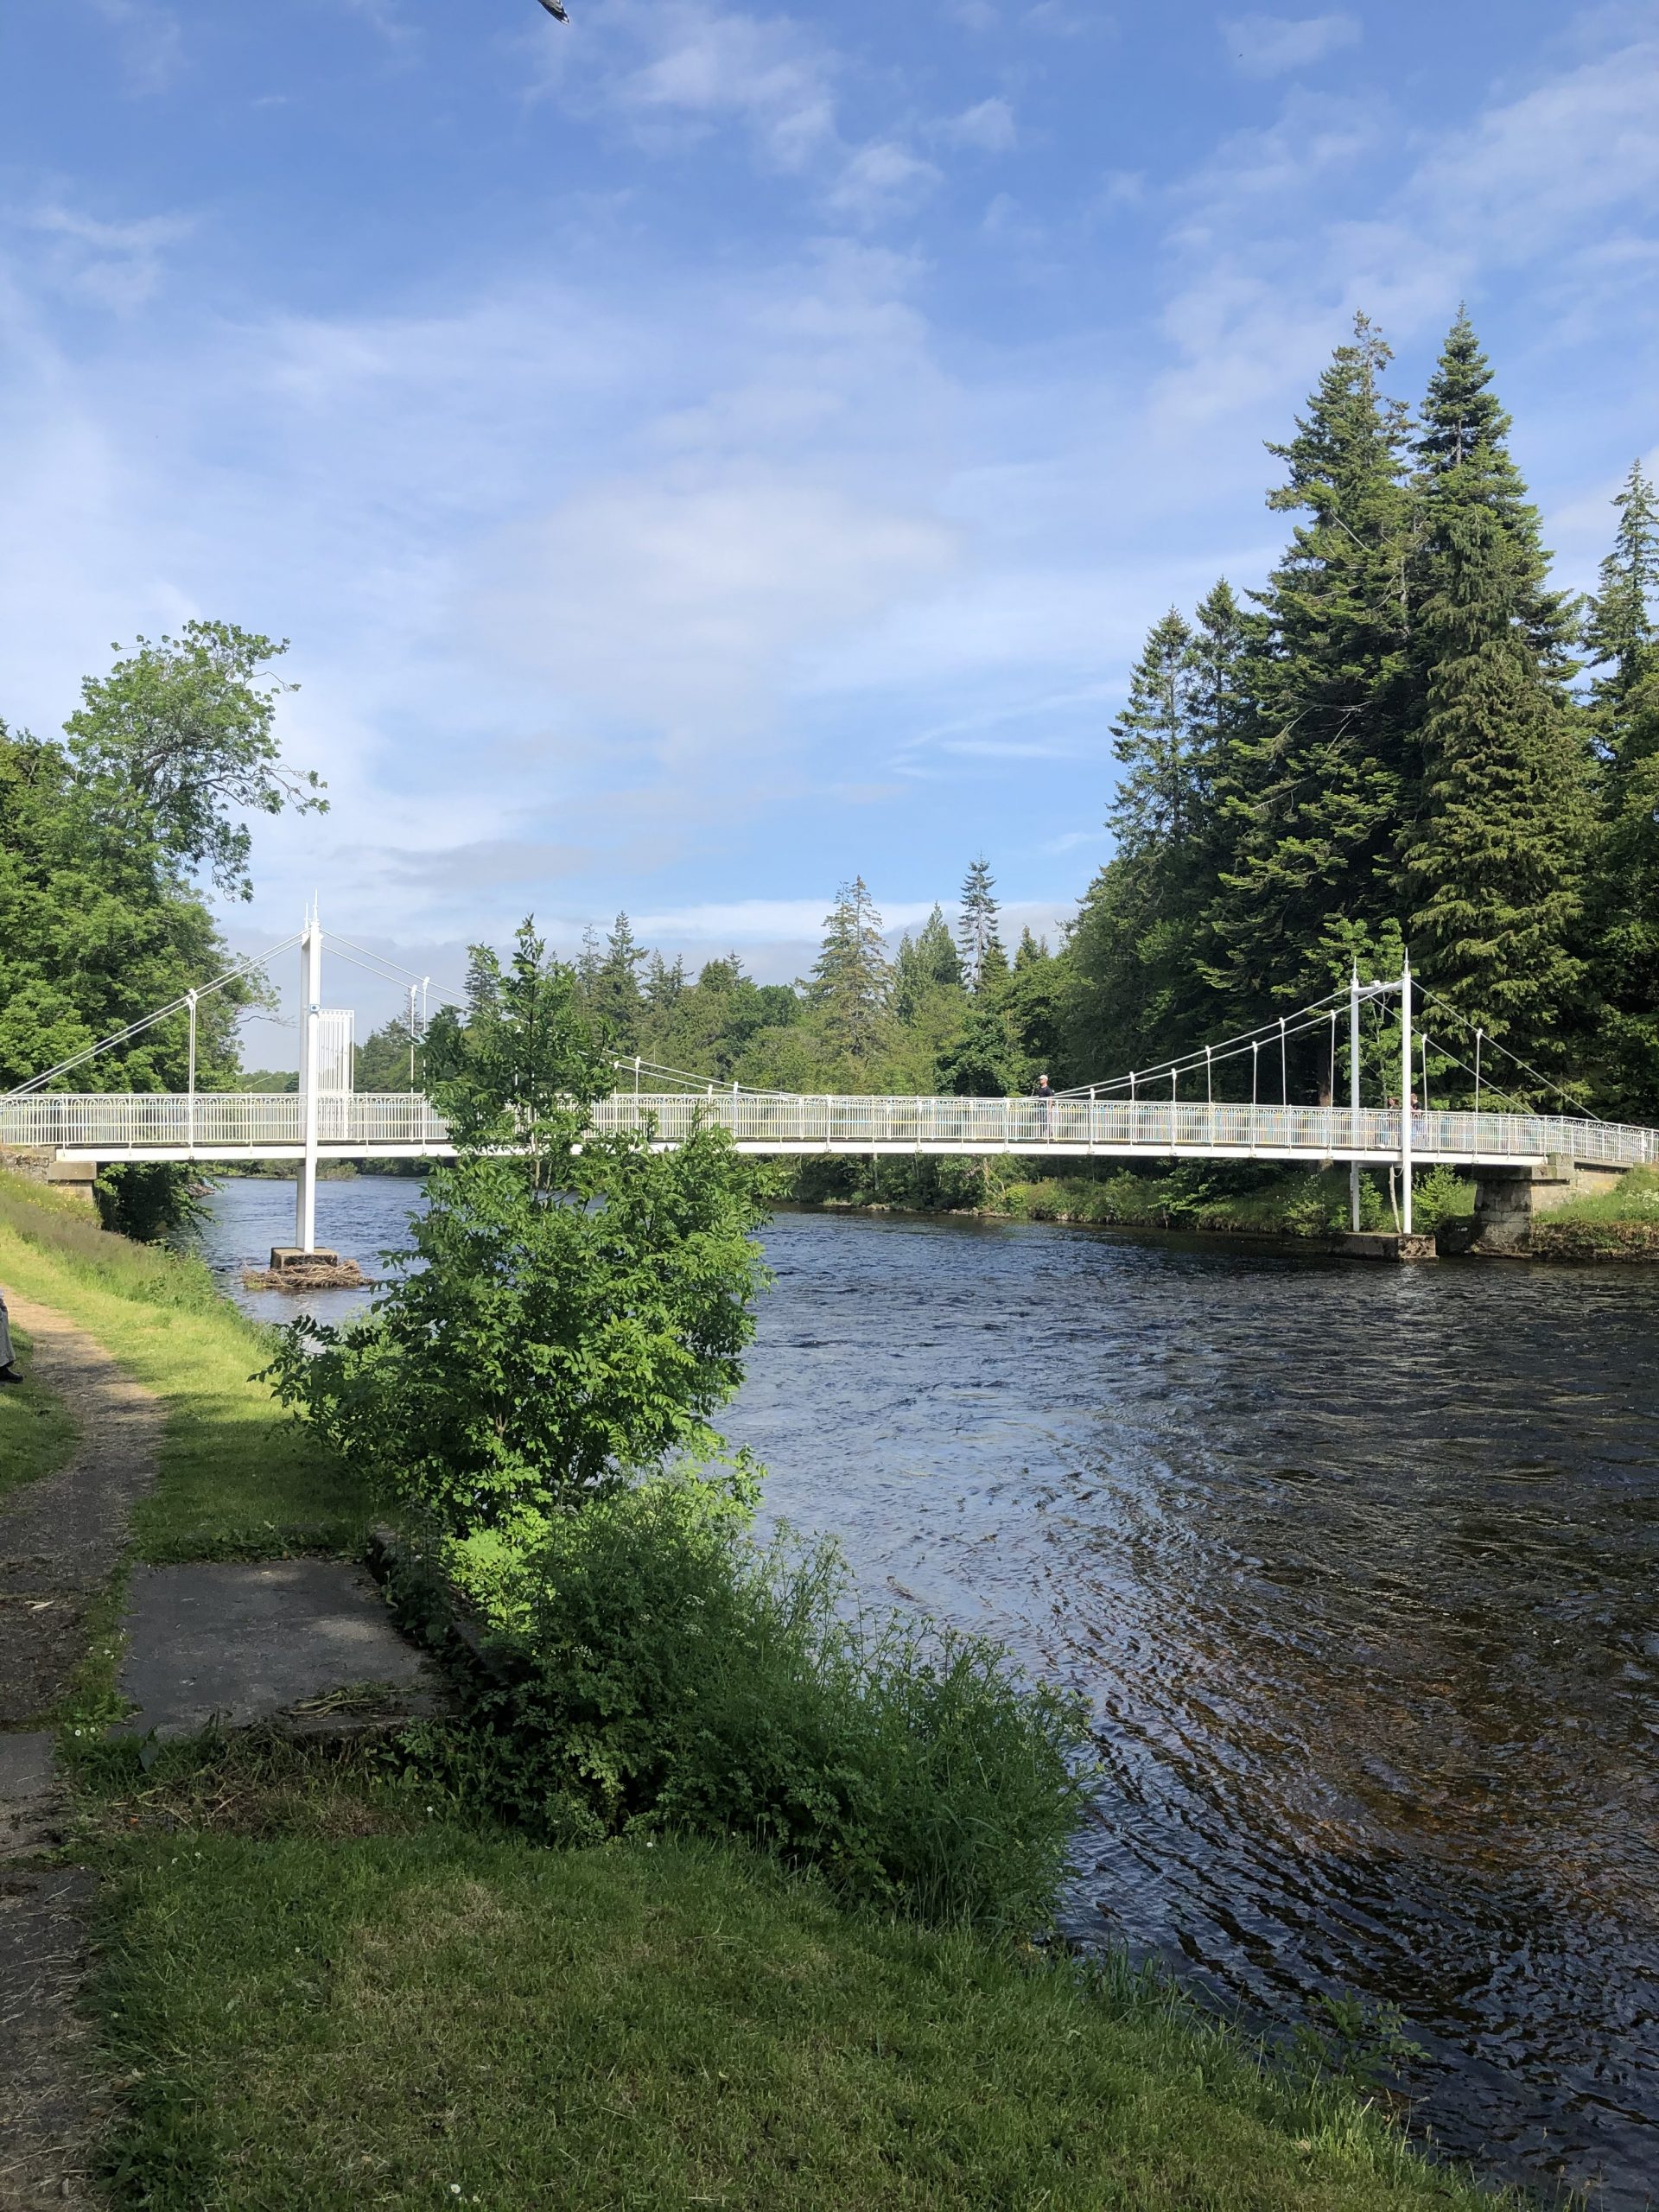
38 1432
321 1995
326 1982
238 1481
1622 1224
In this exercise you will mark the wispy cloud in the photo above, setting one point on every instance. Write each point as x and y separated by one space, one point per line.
117 263
1271 46
152 48
988 127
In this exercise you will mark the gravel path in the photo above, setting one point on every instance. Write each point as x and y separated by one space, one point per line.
62 1537
61 1540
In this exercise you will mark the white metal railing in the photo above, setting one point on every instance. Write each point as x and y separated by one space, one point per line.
214 1121
232 1122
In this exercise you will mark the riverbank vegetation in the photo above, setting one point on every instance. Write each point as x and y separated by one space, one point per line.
321 1994
237 1480
37 1431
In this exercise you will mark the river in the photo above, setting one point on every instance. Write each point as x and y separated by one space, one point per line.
1355 1565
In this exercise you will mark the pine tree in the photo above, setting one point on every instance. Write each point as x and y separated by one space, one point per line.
1311 787
612 991
851 981
665 983
976 923
925 965
1157 798
1133 976
1493 862
589 962
1621 636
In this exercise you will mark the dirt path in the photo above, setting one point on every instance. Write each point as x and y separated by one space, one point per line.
61 1540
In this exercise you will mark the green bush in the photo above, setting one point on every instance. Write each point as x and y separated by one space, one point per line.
651 1667
572 1308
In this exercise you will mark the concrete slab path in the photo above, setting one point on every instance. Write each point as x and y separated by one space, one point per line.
238 1644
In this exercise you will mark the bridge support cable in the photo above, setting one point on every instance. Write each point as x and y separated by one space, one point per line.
184 1004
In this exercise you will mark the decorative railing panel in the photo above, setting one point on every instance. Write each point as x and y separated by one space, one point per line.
232 1122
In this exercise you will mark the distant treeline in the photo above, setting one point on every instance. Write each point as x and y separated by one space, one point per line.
1407 736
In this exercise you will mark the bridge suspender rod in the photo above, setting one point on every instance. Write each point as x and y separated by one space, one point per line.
191 1109
1353 1096
1405 1097
305 1195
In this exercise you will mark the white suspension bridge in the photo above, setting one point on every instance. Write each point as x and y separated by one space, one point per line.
1154 1113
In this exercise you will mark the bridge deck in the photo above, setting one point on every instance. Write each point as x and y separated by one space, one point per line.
226 1126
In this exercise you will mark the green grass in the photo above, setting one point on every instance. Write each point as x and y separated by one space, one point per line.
1635 1199
396 2010
38 1432
237 1480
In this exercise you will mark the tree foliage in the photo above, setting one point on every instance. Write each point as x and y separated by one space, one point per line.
571 1309
178 741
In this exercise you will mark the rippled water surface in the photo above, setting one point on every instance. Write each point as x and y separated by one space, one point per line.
1355 1566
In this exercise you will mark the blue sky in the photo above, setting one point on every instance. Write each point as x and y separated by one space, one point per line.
705 451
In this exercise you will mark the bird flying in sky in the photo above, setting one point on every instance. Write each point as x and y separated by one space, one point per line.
555 8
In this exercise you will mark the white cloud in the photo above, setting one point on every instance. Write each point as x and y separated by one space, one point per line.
150 43
1268 45
1530 170
118 264
767 73
679 605
877 178
987 127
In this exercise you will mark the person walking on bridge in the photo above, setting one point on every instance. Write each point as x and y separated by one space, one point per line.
1044 1097
8 1359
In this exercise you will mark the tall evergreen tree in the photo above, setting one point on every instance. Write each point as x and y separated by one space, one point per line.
1157 797
1311 790
1494 860
612 991
925 964
977 922
1622 635
1134 974
851 980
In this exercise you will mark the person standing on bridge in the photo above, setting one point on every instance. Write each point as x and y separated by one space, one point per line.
8 1359
1044 1096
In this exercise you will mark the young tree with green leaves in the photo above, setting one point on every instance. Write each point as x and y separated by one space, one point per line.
573 1308
1493 861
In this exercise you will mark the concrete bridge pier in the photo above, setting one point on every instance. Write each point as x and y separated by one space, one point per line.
1507 1199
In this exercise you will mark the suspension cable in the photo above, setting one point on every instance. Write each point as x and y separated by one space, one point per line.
148 1021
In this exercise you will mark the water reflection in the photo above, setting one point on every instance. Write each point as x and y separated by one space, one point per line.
1356 1567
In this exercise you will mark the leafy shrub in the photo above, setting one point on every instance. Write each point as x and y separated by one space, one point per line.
650 1666
580 1305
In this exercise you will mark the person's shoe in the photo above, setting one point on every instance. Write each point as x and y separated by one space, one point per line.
10 1375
